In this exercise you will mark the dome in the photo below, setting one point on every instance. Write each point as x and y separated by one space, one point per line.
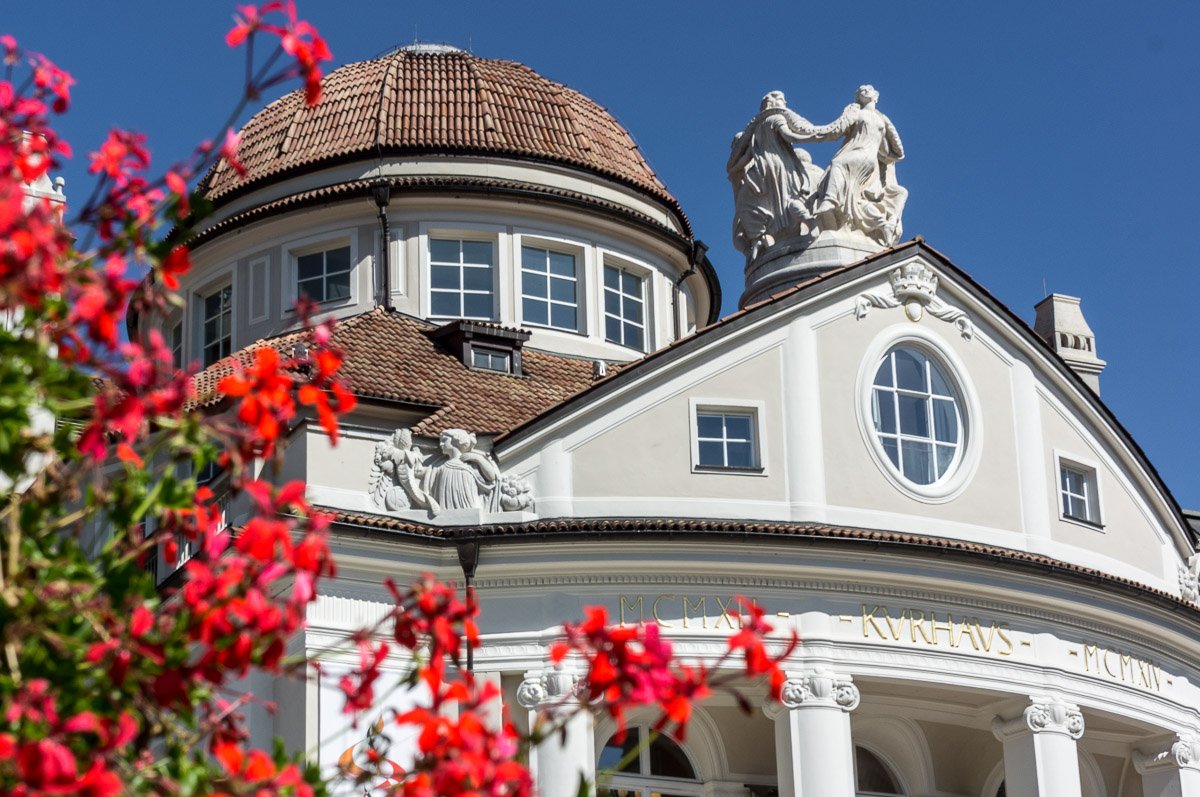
436 99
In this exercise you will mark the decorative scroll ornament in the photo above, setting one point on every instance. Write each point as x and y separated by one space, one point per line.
547 688
1189 579
821 688
1043 715
914 286
404 477
1182 753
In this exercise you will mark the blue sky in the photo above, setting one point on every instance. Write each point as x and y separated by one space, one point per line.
1047 143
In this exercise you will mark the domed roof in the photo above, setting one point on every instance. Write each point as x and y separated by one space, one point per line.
436 99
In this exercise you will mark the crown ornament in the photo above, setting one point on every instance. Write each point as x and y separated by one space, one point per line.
914 286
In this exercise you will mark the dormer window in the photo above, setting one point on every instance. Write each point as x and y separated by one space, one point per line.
483 347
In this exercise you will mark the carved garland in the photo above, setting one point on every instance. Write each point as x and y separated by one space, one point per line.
914 287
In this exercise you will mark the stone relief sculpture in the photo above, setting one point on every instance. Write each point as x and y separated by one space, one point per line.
403 477
780 195
1189 578
914 287
773 181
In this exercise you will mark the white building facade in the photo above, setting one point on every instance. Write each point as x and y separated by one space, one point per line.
995 592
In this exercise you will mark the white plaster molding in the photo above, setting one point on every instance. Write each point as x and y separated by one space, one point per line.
548 689
1042 715
914 286
820 688
1180 752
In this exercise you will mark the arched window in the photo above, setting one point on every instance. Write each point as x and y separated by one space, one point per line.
660 769
873 778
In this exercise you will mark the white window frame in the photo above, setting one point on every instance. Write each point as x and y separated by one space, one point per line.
177 345
970 411
757 412
646 275
291 251
554 244
495 235
650 784
1095 494
226 279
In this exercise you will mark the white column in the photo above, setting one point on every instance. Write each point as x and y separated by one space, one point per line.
1170 769
814 755
1040 755
559 763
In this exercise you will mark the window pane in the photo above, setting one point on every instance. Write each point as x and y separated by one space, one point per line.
1075 481
562 317
533 284
445 304
477 252
534 312
737 427
945 421
918 461
938 382
338 286
443 251
445 277
910 370
313 289
883 411
477 279
212 305
872 774
562 264
612 303
477 305
708 426
612 329
308 266
892 448
712 454
612 278
913 417
562 290
883 377
612 753
633 336
632 309
533 259
945 455
668 760
741 455
631 284
337 259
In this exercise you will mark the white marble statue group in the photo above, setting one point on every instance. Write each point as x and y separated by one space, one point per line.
779 195
404 477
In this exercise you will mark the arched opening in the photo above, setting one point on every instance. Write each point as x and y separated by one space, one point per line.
872 777
660 768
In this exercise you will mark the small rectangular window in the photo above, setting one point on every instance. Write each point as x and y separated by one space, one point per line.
324 276
624 308
217 333
176 343
462 279
726 440
549 289
1079 493
490 360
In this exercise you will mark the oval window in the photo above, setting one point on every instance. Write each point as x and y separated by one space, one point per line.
917 415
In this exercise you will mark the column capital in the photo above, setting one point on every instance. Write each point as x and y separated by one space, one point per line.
1042 715
542 688
1181 751
816 689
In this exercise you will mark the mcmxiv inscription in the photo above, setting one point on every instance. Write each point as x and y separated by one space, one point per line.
671 610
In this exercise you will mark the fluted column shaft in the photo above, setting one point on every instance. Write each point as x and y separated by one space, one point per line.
1172 769
814 754
559 762
1040 754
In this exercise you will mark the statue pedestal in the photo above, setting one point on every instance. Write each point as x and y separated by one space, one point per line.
793 261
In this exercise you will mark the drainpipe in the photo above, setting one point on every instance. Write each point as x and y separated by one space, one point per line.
468 560
694 259
381 192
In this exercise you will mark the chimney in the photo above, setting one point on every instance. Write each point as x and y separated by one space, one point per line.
1060 323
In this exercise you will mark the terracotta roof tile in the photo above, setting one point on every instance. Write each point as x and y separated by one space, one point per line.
392 357
446 102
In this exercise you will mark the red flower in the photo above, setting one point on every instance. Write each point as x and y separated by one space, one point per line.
229 152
